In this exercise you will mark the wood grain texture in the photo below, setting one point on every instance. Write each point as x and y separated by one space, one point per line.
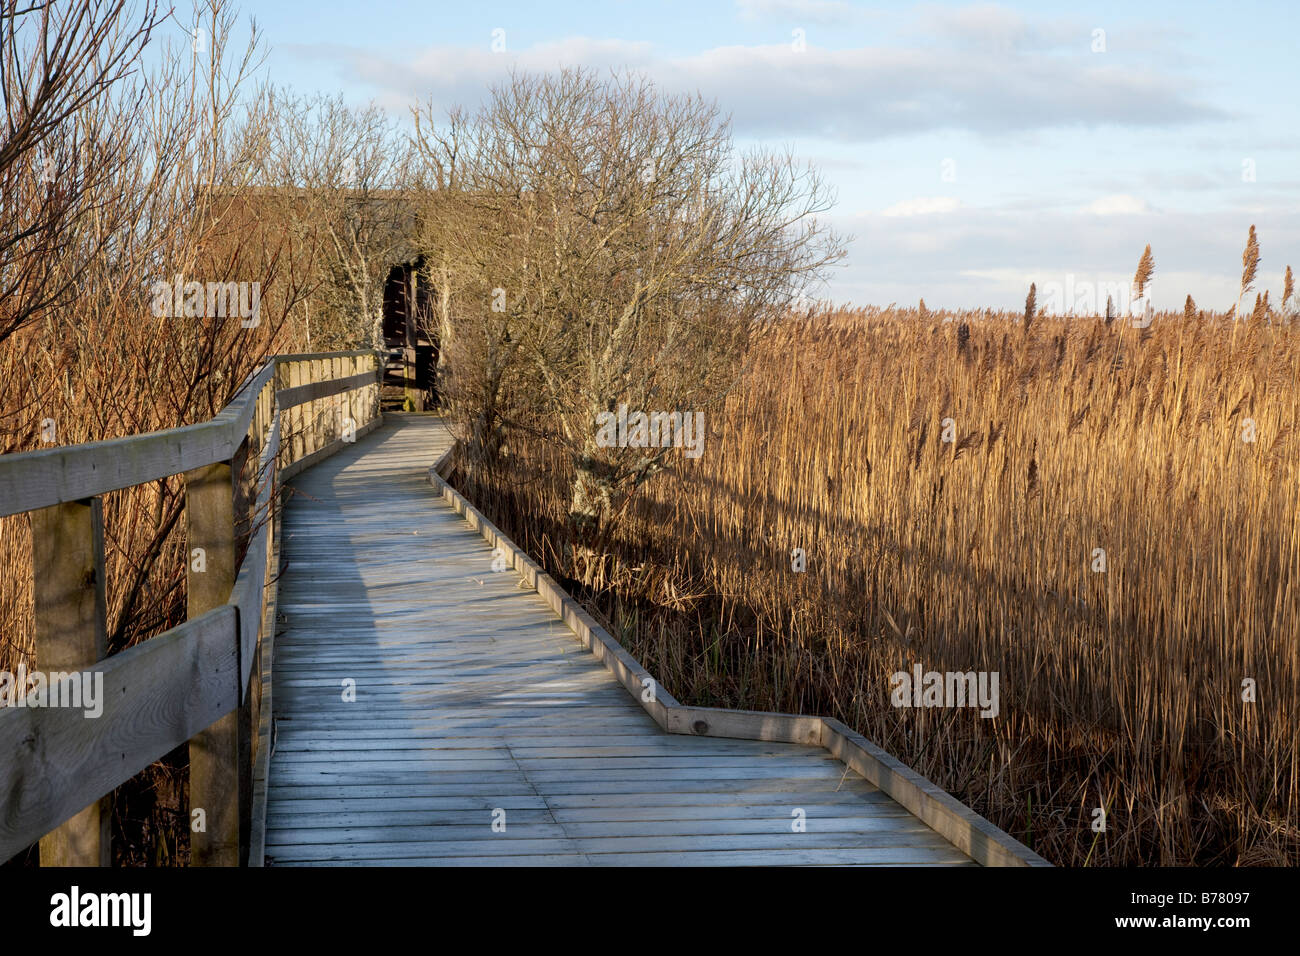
157 695
966 829
38 479
266 700
70 632
61 486
421 695
219 755
654 699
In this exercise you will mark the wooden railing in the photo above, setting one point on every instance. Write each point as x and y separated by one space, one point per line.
200 681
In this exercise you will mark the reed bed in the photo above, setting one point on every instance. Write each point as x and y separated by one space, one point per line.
973 545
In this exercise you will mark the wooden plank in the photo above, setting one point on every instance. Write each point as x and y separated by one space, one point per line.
239 412
472 698
247 598
529 716
311 424
70 635
220 783
363 814
404 759
290 357
516 827
564 781
290 808
963 827
732 859
332 448
490 712
285 419
156 696
557 859
881 849
538 745
266 701
298 419
38 479
644 687
745 724
630 837
657 805
854 806
305 826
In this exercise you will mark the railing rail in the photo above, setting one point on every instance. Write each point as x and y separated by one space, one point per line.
198 682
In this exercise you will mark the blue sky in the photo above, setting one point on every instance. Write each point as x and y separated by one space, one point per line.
974 147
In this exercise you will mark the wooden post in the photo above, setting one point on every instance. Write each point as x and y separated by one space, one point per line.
408 374
413 341
324 406
339 402
281 380
372 392
217 772
297 416
315 372
350 399
243 468
70 632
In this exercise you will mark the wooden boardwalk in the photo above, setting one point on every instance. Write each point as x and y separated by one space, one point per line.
475 706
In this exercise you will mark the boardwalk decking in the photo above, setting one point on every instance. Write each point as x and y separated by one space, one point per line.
475 705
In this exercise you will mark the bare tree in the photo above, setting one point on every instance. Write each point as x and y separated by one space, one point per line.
58 63
621 253
444 221
341 177
149 165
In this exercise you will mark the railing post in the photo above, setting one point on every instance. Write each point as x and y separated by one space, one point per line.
323 406
364 394
336 402
217 768
312 407
408 376
280 380
341 369
68 566
350 396
297 416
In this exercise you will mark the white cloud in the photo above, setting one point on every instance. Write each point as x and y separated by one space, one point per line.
990 27
848 95
1120 204
923 206
799 11
978 256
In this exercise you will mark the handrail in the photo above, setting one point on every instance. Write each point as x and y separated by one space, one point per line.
51 476
197 681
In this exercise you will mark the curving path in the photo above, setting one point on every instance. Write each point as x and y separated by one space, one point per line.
480 732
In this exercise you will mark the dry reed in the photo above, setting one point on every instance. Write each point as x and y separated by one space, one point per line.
1120 688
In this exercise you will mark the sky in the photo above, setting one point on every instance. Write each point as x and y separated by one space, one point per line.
973 148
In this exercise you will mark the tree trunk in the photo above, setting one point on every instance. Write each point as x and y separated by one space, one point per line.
593 488
444 326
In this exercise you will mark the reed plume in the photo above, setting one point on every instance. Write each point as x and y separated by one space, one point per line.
1249 267
1146 267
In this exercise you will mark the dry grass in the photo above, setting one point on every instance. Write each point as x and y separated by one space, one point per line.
1120 689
